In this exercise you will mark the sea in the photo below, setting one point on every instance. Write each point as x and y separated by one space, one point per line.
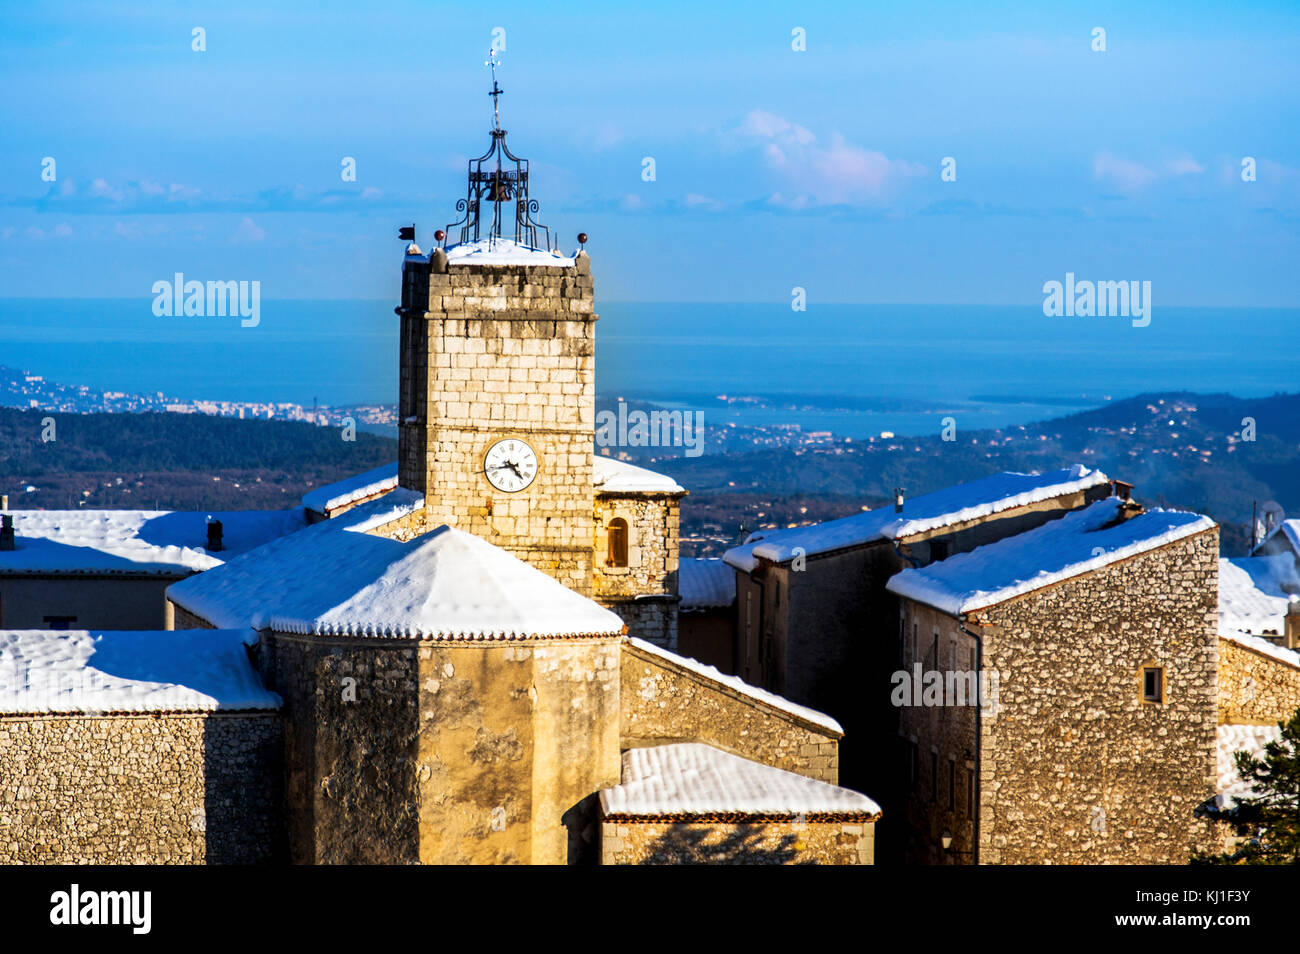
855 370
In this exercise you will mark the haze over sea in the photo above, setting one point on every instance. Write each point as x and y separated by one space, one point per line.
853 369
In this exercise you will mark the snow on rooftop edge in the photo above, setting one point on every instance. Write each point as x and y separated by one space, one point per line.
351 489
97 672
618 476
949 505
1255 593
690 778
1056 551
739 685
705 583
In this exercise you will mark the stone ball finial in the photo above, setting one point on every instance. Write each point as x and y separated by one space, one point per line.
439 236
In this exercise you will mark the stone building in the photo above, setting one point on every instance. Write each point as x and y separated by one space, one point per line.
136 748
1093 642
814 618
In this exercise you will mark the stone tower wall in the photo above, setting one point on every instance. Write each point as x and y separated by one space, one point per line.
490 352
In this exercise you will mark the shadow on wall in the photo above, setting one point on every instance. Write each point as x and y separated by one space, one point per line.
243 814
583 823
731 845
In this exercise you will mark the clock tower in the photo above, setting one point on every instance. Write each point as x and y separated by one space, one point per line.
497 376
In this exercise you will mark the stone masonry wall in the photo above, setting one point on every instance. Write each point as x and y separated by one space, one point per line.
654 620
428 751
140 789
1255 688
736 843
184 619
652 546
940 796
663 702
1076 768
490 352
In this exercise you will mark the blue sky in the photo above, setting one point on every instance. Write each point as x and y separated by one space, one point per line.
774 168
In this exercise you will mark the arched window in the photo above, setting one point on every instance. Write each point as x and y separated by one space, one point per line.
617 543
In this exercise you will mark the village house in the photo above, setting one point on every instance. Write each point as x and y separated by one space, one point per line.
1093 638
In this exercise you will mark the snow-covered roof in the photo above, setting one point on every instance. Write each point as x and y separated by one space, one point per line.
1231 739
1290 531
1079 542
705 583
351 489
1254 593
942 508
690 778
76 671
334 578
137 541
498 251
739 685
612 476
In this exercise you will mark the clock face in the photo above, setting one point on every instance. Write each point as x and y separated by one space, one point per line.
510 465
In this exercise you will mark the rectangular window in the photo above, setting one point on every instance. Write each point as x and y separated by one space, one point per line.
938 550
1153 684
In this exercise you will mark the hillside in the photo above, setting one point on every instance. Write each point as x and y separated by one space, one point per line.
1180 449
173 461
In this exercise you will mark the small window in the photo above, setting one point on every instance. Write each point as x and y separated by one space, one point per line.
938 550
617 534
60 622
1153 684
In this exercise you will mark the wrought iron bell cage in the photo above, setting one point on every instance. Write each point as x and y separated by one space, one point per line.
498 181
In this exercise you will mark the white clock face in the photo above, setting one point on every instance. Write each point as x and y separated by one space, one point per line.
510 465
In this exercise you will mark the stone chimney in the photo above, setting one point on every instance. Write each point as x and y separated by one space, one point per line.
899 493
214 536
1292 627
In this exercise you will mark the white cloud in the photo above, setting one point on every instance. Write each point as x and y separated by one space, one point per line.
825 173
1184 166
248 232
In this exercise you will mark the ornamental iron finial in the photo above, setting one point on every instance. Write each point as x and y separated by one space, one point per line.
493 183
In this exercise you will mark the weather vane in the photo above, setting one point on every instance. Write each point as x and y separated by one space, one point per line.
496 90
